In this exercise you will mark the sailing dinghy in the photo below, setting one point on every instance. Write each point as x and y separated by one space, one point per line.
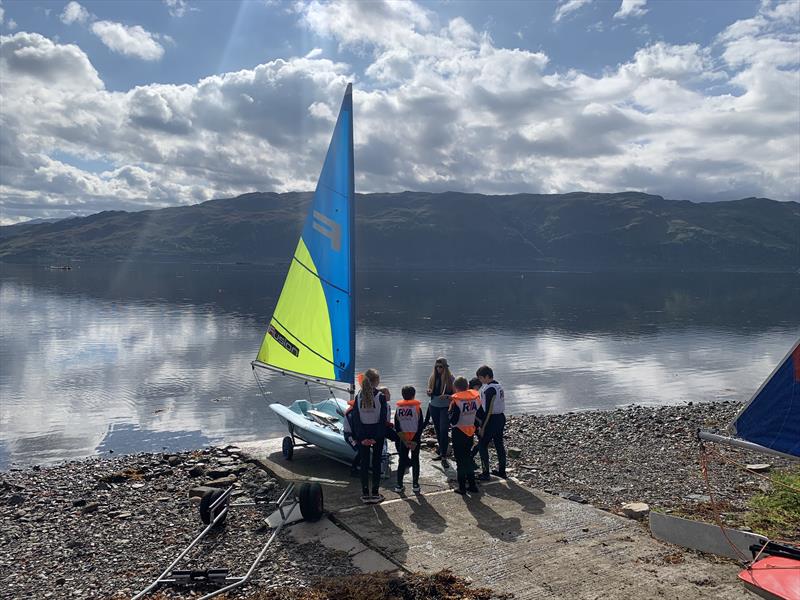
769 423
311 335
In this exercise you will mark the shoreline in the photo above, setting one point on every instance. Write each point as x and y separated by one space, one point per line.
107 525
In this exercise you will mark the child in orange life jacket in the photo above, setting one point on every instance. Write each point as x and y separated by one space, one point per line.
408 426
464 406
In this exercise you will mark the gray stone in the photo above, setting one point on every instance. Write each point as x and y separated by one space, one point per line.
197 471
514 452
635 510
760 467
222 481
200 491
91 507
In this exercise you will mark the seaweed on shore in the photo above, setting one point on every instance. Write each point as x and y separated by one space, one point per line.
443 585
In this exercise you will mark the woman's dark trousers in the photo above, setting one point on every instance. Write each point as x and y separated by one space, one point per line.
405 461
377 452
462 449
441 423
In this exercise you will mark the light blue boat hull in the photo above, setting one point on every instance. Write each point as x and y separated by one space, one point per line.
328 439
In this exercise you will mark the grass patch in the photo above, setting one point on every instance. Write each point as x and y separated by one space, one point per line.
776 513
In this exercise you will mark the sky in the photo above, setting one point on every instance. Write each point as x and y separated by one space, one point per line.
118 105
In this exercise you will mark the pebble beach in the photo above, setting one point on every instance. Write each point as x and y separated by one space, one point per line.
105 526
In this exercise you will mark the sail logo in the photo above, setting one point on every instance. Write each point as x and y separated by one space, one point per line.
281 339
329 228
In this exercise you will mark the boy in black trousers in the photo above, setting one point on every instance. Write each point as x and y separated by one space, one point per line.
493 423
408 426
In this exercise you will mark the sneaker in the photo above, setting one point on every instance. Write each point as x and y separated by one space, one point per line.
445 463
484 477
398 489
501 474
460 491
377 498
366 499
416 489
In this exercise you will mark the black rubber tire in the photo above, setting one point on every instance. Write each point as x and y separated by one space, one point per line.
205 507
288 448
312 504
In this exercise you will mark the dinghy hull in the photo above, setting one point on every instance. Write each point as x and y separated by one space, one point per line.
308 422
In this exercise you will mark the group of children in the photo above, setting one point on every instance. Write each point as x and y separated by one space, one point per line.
473 408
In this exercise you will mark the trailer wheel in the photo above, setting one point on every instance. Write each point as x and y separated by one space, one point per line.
205 507
288 447
311 501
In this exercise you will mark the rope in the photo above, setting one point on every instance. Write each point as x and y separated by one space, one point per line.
704 468
744 468
258 381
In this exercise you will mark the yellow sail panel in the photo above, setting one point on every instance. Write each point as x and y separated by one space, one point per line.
299 337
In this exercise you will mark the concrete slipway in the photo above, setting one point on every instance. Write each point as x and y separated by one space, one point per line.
509 538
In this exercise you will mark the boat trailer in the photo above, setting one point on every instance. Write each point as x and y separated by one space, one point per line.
214 506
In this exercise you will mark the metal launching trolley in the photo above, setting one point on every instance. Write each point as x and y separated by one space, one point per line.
214 507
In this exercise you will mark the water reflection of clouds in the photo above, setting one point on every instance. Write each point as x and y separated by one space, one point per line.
76 366
87 364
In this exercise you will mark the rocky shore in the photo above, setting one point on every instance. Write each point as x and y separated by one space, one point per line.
638 454
105 528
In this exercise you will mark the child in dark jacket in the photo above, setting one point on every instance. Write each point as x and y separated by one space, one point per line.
408 426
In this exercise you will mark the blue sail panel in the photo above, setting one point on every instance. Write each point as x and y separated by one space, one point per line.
327 234
772 418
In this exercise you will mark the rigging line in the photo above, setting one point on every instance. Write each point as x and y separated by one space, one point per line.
258 381
744 468
337 192
322 279
299 341
704 468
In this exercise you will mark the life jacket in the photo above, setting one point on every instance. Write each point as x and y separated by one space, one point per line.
369 413
468 403
407 415
499 400
369 418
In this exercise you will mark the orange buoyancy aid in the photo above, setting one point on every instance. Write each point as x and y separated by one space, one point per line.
408 414
468 403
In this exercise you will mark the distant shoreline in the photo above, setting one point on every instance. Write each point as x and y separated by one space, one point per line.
283 267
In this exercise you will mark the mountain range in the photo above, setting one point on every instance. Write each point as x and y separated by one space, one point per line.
439 231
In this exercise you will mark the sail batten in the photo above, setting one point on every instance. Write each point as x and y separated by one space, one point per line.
312 331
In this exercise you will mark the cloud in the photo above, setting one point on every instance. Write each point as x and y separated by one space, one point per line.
567 7
74 13
438 106
129 41
631 8
177 8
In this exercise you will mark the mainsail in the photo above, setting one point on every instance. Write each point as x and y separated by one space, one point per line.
770 422
312 331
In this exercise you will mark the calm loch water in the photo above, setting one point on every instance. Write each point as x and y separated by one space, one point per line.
126 358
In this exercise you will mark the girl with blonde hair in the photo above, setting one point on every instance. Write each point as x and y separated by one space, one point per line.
440 384
369 423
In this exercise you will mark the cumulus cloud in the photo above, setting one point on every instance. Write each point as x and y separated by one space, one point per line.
438 106
74 13
568 6
631 8
130 41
